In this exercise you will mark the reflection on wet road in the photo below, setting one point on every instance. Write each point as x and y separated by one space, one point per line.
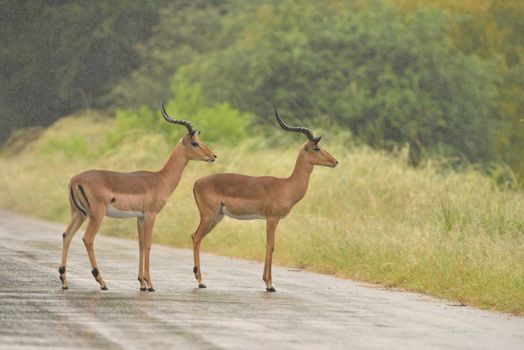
308 311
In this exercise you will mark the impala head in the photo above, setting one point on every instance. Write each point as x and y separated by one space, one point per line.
194 149
312 152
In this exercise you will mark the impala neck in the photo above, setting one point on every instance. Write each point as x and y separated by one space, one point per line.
172 170
299 179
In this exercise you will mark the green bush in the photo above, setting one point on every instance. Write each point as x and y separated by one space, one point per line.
73 145
218 122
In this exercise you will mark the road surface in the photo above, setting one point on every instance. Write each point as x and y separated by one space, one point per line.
309 311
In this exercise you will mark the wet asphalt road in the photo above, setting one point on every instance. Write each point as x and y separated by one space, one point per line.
309 311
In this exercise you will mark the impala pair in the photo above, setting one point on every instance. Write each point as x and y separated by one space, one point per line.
97 193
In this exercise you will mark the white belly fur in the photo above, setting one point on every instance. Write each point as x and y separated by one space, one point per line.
241 217
116 213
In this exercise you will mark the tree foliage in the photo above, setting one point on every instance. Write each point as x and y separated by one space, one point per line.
60 56
219 122
441 75
390 78
492 30
186 30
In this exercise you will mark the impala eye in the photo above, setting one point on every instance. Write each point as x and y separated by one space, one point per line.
194 144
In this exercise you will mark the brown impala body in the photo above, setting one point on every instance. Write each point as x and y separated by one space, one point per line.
249 197
142 194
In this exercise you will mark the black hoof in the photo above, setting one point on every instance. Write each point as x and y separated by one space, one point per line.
65 288
104 288
151 289
272 289
202 285
143 289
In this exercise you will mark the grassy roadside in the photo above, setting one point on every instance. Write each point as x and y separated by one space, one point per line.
450 234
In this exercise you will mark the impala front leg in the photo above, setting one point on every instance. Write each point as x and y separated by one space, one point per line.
141 248
271 227
196 260
149 221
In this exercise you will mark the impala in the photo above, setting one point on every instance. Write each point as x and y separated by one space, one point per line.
94 194
248 197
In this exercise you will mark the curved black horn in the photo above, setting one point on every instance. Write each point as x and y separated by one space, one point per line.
185 123
300 129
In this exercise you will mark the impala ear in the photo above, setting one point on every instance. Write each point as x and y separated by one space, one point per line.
316 140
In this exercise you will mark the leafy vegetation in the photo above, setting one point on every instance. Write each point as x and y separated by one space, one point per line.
61 56
416 72
220 121
443 76
389 82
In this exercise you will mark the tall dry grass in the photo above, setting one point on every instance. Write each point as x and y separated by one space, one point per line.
450 234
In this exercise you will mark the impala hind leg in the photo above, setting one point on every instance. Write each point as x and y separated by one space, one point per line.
208 221
89 238
77 218
271 227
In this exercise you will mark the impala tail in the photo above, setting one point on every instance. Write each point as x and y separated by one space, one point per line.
75 200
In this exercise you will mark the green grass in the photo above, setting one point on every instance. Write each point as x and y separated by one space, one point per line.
454 235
